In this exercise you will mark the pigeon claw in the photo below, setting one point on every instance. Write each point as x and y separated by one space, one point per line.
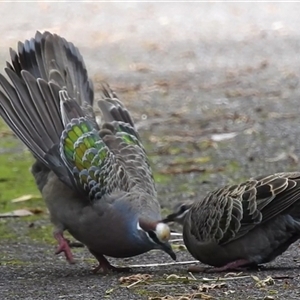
105 265
106 269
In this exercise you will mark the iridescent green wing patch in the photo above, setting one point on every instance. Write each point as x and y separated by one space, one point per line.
128 134
87 157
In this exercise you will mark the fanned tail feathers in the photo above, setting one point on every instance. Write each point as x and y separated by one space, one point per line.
52 58
46 70
49 106
113 109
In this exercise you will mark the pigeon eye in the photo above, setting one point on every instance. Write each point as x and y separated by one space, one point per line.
183 208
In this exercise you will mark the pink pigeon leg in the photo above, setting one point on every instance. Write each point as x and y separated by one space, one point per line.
63 246
236 265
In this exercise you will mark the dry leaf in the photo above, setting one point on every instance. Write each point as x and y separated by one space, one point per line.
196 160
263 282
36 211
229 292
162 298
175 277
168 297
25 198
233 274
17 213
201 296
109 291
207 287
183 297
133 278
4 133
223 136
192 169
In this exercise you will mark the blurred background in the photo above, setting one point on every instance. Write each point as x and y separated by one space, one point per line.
188 71
133 29
213 88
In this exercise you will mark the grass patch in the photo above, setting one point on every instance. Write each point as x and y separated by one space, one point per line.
42 233
162 178
15 179
5 232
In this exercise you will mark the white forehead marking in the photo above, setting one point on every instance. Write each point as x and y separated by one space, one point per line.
161 227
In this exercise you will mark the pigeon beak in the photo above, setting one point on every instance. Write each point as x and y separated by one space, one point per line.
175 217
168 249
170 218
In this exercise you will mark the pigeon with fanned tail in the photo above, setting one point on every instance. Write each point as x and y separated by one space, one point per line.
242 225
96 181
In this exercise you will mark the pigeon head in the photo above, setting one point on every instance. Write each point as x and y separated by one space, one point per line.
156 233
180 212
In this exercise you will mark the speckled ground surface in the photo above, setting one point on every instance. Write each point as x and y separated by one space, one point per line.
188 73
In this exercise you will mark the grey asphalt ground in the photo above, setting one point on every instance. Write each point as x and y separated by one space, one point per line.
188 72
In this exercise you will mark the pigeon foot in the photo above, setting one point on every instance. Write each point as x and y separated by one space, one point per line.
63 246
105 266
237 265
